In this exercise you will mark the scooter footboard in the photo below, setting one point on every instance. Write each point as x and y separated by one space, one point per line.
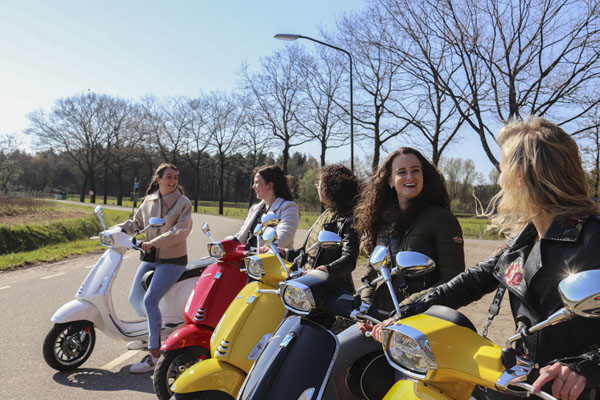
409 390
208 375
298 343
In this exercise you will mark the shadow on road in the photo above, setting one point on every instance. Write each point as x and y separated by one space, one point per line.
101 380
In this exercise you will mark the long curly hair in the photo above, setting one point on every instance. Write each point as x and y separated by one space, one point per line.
339 187
281 183
542 175
379 198
158 173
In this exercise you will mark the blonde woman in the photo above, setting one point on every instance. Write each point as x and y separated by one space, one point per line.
545 206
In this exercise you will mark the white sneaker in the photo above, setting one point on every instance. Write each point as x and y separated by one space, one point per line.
146 365
137 345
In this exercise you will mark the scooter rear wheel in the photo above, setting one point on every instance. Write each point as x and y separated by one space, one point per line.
69 345
173 363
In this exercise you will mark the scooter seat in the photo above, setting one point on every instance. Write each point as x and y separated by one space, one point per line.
450 315
194 272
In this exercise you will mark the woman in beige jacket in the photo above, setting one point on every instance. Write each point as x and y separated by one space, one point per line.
164 198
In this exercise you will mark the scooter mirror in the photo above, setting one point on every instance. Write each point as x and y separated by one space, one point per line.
269 219
257 230
580 293
206 228
412 263
329 239
380 257
156 222
269 236
98 211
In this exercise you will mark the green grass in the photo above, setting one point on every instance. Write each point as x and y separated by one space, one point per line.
58 251
472 228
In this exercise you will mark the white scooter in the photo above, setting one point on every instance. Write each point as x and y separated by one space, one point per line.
71 341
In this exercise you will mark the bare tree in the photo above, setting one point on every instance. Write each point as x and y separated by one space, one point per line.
321 116
379 78
225 122
75 126
510 59
422 55
9 167
277 89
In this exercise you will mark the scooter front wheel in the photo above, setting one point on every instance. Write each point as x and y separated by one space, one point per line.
69 345
173 363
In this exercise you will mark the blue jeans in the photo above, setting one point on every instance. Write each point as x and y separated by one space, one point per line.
146 305
353 345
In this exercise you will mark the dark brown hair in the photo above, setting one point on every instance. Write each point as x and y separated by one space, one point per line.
281 186
158 173
379 197
339 187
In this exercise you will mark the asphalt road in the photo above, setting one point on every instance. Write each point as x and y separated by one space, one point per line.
29 298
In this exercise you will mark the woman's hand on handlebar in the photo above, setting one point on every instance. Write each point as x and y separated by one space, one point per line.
147 246
376 330
567 385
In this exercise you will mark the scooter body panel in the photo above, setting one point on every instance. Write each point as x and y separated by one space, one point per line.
297 359
249 317
75 310
462 356
213 292
214 375
188 335
409 390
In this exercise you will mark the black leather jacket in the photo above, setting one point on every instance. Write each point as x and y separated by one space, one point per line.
340 261
568 246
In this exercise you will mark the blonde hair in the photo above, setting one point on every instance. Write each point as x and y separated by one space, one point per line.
542 174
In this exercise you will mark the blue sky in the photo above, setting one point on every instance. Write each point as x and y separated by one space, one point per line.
58 48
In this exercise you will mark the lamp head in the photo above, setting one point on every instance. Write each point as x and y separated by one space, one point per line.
287 36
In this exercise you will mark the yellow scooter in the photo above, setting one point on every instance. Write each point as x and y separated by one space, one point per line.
444 358
242 332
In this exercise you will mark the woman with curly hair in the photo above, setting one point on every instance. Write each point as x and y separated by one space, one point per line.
545 206
338 190
406 207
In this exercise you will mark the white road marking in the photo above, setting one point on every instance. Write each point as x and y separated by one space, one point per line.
120 359
53 276
5 287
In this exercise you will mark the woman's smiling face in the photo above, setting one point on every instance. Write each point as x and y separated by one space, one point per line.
168 182
406 178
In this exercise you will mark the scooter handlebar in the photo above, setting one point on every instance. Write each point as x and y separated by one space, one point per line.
529 388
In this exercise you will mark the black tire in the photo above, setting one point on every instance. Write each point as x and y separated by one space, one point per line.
206 395
63 348
171 364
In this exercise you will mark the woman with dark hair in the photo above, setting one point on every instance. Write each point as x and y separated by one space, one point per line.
544 205
406 207
338 189
273 190
165 252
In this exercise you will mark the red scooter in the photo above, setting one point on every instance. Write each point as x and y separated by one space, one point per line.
220 282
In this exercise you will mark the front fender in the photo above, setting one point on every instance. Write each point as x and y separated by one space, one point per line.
210 374
187 336
409 390
75 310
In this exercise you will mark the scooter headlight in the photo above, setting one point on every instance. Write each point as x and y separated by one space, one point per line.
107 239
216 250
255 267
408 350
297 297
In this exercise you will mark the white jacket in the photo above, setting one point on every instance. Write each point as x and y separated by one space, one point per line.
286 228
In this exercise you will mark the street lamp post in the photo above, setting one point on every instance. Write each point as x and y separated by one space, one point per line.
288 36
